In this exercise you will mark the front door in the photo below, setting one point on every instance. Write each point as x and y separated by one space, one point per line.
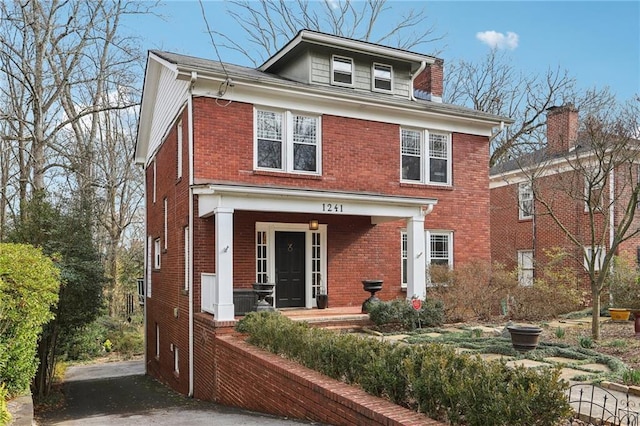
290 273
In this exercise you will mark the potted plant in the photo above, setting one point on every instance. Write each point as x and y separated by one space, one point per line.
524 337
322 298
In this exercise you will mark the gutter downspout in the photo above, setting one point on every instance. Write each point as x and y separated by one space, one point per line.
194 77
423 65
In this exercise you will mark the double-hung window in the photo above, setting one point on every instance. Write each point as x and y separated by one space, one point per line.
382 78
426 157
287 141
439 250
341 71
525 268
594 254
157 255
594 190
525 200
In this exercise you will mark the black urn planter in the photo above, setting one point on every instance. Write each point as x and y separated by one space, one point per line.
263 290
372 286
524 338
322 301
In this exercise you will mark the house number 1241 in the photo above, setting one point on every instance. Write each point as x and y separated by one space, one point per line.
332 208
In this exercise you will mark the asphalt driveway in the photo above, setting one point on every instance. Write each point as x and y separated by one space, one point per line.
120 393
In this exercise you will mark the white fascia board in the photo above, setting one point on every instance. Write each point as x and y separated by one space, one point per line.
316 100
212 197
346 44
557 166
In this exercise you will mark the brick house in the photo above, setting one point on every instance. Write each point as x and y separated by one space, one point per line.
333 162
521 228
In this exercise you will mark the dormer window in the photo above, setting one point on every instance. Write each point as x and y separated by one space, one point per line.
342 71
382 77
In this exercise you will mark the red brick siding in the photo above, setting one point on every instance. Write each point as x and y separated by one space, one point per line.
168 281
509 234
253 379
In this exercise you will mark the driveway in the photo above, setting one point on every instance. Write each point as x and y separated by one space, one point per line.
120 393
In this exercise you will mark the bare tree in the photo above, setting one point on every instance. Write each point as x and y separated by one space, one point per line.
268 25
496 86
599 179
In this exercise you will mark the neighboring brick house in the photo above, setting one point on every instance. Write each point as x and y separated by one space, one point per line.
521 229
334 162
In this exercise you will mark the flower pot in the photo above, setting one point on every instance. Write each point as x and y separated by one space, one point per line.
524 338
619 314
322 301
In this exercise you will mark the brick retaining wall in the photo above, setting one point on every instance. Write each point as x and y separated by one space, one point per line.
253 379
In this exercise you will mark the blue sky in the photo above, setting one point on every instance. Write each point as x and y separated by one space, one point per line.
596 42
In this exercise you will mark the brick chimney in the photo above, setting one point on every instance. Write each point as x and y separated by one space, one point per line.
428 84
562 128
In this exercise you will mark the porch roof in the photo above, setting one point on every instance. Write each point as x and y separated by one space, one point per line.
381 208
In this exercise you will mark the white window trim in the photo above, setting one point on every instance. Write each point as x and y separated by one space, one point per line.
425 156
154 181
150 256
157 341
157 256
333 71
427 257
176 360
165 208
599 258
186 258
522 215
287 141
522 268
179 152
373 78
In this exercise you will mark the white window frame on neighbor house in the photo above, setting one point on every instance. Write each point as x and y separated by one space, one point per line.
179 152
342 68
283 132
597 190
413 144
381 75
186 258
430 256
525 201
599 259
526 268
157 253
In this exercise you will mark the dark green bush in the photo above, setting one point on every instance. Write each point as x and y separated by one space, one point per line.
433 379
400 311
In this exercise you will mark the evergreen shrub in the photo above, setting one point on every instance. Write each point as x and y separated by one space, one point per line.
456 388
400 312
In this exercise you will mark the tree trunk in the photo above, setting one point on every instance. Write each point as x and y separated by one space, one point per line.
595 314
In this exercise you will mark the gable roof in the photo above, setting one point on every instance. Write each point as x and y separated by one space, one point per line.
308 37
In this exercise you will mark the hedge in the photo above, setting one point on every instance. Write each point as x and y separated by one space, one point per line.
431 378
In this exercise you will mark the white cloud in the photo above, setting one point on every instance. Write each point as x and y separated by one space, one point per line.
496 40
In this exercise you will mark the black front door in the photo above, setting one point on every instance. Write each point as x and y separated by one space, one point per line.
290 274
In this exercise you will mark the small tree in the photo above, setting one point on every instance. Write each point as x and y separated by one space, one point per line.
599 177
29 283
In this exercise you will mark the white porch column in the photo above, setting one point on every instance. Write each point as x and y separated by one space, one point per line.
416 274
223 292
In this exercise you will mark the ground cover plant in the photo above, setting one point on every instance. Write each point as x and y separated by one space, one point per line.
431 378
